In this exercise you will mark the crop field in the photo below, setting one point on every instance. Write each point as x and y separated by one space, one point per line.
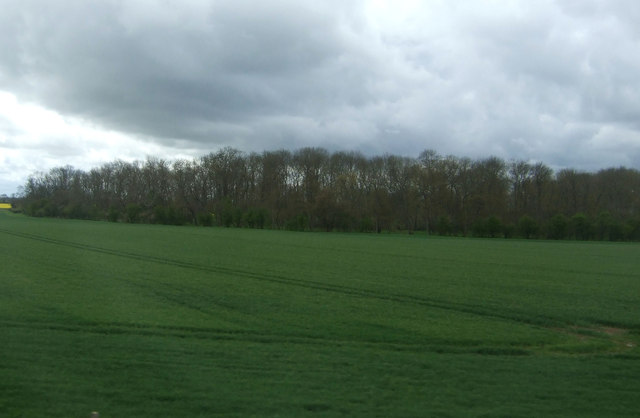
151 321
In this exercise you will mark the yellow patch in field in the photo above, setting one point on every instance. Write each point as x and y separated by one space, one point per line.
5 205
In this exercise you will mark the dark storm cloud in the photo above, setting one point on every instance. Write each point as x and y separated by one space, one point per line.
551 81
145 70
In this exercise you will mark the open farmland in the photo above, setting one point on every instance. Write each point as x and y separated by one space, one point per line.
141 320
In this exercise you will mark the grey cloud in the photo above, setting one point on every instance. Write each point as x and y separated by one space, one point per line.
148 76
520 80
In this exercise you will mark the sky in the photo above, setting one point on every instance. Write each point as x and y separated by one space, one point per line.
83 83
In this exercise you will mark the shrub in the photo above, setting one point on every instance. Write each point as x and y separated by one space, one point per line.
494 227
632 230
298 223
205 219
479 228
113 214
366 224
558 227
581 226
444 225
527 227
133 212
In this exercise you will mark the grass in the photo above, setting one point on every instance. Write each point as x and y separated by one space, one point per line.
140 320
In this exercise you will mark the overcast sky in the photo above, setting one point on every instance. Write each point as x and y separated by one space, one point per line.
87 82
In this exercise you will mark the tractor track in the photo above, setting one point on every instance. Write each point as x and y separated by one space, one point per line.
510 316
260 337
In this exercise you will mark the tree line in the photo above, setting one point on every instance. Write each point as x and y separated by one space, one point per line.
313 189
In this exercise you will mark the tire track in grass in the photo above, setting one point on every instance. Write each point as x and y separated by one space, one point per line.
252 336
199 302
511 316
260 337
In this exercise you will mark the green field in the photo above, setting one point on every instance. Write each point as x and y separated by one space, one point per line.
153 321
